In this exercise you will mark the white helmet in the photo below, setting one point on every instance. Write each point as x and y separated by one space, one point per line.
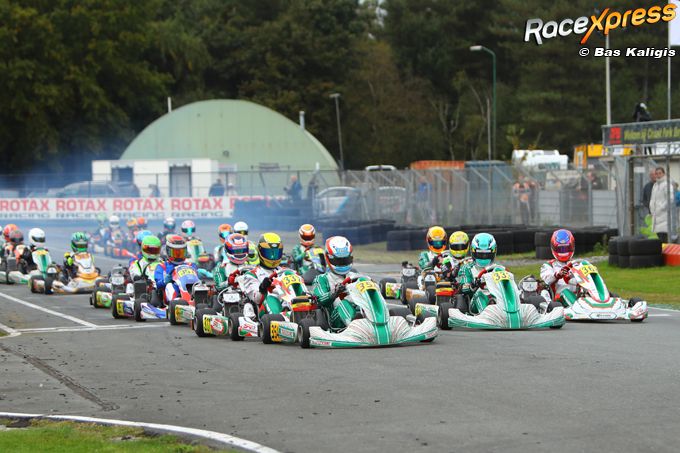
241 227
339 255
36 237
114 221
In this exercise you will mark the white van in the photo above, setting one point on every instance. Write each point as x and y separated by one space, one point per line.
540 159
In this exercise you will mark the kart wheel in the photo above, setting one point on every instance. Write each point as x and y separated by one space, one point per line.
303 332
266 327
321 321
416 300
633 301
198 321
202 307
114 307
400 311
553 305
534 300
383 286
138 311
93 297
48 285
431 291
232 327
171 310
461 303
443 318
404 286
31 285
557 327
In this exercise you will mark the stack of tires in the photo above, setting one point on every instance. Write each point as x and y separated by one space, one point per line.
358 233
586 239
635 252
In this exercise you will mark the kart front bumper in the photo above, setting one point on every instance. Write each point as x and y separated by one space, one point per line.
493 317
362 333
618 311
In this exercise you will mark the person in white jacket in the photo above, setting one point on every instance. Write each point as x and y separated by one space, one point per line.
659 205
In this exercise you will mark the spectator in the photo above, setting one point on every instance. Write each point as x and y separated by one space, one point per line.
647 189
217 189
641 113
659 205
155 191
312 187
522 191
294 189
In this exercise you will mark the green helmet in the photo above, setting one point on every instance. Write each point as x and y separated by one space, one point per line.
483 249
102 218
79 242
151 248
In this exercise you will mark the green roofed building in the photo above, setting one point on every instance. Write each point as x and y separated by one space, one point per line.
186 150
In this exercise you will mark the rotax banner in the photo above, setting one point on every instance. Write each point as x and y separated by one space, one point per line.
88 208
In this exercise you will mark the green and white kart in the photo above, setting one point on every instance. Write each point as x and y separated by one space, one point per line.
375 325
505 309
594 301
41 278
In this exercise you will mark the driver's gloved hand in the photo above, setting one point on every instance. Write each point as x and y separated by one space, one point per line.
477 283
264 286
340 290
435 261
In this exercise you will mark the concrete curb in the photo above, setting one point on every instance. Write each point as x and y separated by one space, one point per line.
213 437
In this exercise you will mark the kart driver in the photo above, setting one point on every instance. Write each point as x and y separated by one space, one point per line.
36 239
556 273
188 228
5 234
16 238
328 288
241 227
256 283
150 253
169 226
79 243
483 253
307 234
223 232
139 239
176 251
436 244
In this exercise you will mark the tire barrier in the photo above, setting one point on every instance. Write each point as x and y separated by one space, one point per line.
359 233
635 252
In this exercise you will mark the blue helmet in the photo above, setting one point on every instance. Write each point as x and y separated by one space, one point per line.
483 249
141 235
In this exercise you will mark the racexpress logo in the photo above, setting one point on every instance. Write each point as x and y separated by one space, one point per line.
607 20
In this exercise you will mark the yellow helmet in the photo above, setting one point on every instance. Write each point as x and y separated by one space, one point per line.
436 239
270 250
459 244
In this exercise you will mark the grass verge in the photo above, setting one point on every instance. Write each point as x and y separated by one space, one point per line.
377 253
72 437
659 286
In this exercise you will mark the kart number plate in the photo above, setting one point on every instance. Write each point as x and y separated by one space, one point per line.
365 286
231 298
185 271
194 242
500 276
408 272
588 269
41 252
289 280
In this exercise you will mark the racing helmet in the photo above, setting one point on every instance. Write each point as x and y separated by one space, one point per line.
459 244
79 242
241 227
223 232
188 227
142 223
141 235
7 230
114 221
562 245
151 247
16 237
270 249
436 239
132 224
101 219
483 249
36 237
338 253
307 233
169 224
176 248
236 248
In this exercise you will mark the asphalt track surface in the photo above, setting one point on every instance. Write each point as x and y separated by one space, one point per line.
608 387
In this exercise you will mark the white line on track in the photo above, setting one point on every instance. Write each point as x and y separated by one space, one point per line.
658 315
89 329
10 331
665 309
47 310
223 439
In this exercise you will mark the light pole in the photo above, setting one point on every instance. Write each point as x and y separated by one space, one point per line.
493 87
336 96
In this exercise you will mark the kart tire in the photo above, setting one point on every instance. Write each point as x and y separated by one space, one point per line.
171 310
543 253
557 327
232 327
201 307
641 261
614 260
624 261
137 310
632 301
48 285
534 300
542 239
198 321
644 247
443 318
382 285
461 303
553 304
266 327
31 285
93 297
623 246
400 311
404 286
612 247
114 307
321 321
303 332
416 300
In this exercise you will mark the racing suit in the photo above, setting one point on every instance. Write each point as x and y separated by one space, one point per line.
165 287
299 255
563 286
138 267
327 288
467 275
163 234
26 263
253 257
70 266
251 284
426 260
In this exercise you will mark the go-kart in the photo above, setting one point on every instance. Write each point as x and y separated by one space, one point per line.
412 284
594 301
117 283
14 270
374 324
192 294
140 299
505 309
42 277
119 246
8 263
199 256
87 277
313 264
446 294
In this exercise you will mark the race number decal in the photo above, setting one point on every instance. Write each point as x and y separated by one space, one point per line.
291 279
419 309
185 271
194 243
364 286
41 252
274 331
588 269
500 276
207 328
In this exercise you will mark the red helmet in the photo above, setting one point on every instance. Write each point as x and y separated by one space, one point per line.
562 245
176 248
16 237
236 247
8 229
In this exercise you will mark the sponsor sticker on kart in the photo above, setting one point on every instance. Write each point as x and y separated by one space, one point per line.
231 298
605 315
408 272
274 331
588 269
500 276
364 286
391 290
181 272
217 325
